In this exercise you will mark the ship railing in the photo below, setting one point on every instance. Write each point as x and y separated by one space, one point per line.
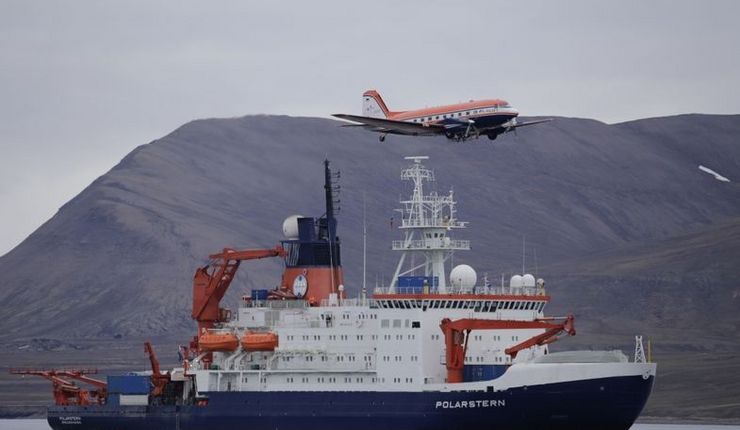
276 304
354 302
409 223
440 243
478 290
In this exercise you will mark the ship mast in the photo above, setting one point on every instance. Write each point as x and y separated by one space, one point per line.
426 220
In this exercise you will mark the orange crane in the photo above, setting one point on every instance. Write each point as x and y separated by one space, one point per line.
456 338
159 380
211 282
66 392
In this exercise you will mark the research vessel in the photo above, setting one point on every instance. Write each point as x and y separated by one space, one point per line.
435 348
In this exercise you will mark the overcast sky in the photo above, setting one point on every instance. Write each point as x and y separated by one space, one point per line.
84 82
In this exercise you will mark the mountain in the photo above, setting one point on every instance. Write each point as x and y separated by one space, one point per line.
127 246
629 233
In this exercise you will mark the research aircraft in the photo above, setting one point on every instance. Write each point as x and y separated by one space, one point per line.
458 122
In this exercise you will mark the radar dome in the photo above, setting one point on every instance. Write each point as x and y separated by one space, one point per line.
290 227
516 281
463 276
528 281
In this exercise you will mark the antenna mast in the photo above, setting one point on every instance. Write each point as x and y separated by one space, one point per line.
364 243
427 221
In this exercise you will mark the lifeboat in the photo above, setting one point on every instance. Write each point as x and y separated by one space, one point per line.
218 341
263 341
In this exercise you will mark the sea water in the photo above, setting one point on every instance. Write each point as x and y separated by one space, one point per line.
26 424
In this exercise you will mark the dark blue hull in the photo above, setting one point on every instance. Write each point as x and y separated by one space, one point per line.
602 404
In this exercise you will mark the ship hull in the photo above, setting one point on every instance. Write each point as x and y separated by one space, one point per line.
606 403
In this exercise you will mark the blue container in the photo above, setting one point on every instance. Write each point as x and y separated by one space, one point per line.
410 281
416 284
259 294
129 384
482 372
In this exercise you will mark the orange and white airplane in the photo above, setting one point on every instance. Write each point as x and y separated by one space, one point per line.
458 122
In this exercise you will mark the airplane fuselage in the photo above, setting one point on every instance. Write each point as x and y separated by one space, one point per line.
484 113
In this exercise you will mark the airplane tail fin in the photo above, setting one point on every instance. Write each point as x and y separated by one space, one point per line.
373 105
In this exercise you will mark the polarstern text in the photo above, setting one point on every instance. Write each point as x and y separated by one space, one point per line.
469 404
70 420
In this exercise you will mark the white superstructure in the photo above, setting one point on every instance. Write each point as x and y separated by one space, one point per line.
394 340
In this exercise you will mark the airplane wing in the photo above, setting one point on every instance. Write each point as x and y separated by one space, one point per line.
523 124
509 127
391 126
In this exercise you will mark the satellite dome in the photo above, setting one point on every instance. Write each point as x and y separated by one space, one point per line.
463 276
516 281
290 227
528 281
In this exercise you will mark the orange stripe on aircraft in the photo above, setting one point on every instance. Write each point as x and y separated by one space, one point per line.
444 110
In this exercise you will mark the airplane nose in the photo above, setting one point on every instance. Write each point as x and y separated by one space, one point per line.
515 112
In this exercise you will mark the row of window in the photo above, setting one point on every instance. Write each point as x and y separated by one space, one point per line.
494 337
398 358
399 337
332 380
456 114
475 305
348 316
480 359
331 337
337 358
397 323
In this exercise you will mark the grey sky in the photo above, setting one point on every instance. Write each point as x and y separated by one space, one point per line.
84 82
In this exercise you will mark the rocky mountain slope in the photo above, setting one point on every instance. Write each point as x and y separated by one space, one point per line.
118 258
631 236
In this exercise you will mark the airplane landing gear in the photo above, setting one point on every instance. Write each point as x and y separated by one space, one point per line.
382 138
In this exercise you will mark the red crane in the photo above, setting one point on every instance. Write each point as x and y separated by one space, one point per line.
211 282
66 392
456 338
159 380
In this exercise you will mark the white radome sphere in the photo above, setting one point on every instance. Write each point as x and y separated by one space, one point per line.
516 281
463 276
290 227
528 281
